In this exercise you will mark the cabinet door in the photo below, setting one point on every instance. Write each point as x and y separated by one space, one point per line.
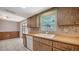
45 41
28 22
43 47
39 45
35 45
33 21
65 16
76 48
1 36
63 46
14 34
76 14
6 35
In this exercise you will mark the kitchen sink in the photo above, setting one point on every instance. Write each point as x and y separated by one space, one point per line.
45 35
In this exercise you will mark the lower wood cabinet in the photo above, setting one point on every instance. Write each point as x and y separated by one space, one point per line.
41 46
64 47
44 47
9 35
35 45
76 48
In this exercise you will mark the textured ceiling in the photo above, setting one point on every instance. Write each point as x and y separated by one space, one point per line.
20 13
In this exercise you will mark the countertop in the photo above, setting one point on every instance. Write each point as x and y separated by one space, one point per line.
55 37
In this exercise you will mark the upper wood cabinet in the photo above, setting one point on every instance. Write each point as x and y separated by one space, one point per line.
65 16
76 15
33 21
68 16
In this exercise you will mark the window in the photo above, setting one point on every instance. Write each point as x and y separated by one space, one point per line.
48 23
24 28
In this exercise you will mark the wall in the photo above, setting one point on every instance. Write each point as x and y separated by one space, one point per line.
64 30
8 26
9 29
68 30
68 19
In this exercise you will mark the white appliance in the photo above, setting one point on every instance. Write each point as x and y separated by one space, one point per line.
30 42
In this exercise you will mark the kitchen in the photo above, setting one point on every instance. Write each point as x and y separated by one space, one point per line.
39 29
55 29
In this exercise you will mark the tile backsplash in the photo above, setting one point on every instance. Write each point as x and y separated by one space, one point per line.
69 29
33 30
61 29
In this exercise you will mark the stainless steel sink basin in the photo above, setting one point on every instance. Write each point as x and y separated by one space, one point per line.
45 35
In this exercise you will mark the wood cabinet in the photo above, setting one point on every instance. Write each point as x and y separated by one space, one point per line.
43 47
43 44
8 35
33 21
35 45
76 15
76 48
68 15
28 22
40 44
64 47
0 36
65 16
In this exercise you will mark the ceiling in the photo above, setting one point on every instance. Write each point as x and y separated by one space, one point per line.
20 13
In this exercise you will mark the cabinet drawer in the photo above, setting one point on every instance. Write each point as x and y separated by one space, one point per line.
36 39
45 41
38 46
62 46
43 47
76 48
55 49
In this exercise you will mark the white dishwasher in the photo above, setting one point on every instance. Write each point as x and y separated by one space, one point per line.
29 42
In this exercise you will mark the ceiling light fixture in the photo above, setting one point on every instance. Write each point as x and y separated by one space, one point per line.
3 17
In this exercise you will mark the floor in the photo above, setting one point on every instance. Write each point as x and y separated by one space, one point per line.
12 45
